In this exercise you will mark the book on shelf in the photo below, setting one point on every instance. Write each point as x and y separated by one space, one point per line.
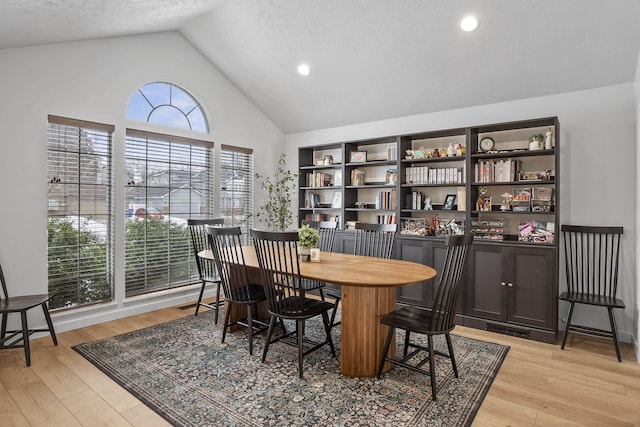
387 219
386 199
318 179
429 175
392 152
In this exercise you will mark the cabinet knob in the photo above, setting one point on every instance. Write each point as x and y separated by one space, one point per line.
510 285
503 284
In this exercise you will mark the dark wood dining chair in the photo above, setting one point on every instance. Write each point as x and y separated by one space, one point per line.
277 254
19 338
440 320
327 232
592 256
226 245
207 270
374 240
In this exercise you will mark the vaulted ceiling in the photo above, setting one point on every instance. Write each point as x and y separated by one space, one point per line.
369 59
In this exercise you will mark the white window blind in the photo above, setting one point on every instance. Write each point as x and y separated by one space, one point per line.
236 193
168 180
80 213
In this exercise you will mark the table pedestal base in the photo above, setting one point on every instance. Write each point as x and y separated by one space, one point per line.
362 335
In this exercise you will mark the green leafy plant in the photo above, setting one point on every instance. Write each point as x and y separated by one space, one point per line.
536 137
277 211
308 237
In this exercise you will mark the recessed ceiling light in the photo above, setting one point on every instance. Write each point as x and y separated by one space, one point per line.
304 69
469 23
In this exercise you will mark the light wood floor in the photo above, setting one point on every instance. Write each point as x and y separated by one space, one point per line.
538 384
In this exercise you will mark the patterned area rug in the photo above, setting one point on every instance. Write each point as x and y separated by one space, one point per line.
182 371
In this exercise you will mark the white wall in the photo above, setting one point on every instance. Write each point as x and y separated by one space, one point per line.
636 302
597 173
93 80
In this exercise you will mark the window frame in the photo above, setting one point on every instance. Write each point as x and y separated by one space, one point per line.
94 282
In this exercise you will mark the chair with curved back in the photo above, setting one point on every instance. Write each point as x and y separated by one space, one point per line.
327 232
591 264
440 320
207 270
226 245
374 240
19 338
277 254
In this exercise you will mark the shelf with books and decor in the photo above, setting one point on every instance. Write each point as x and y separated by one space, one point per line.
498 181
433 183
512 284
320 185
371 181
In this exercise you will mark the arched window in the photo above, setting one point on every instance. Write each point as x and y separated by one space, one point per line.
168 105
169 179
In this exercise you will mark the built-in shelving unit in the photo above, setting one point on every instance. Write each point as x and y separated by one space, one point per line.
504 190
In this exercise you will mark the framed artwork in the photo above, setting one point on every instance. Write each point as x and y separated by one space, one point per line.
358 156
449 201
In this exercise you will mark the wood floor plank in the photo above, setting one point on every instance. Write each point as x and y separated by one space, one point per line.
538 384
142 416
90 409
41 407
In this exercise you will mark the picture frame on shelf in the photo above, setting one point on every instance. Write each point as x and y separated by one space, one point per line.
358 156
391 177
449 202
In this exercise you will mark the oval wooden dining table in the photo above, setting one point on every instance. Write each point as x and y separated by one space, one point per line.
368 292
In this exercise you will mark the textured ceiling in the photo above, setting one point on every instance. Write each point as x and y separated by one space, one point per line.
370 59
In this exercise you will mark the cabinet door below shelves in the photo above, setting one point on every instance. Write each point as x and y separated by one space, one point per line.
513 284
532 300
485 296
427 252
420 294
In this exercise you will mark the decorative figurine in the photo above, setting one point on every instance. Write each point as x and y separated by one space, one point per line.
459 149
548 142
428 206
450 150
506 202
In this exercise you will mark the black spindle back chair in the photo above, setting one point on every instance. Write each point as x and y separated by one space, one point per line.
277 254
591 264
327 232
440 320
22 304
226 245
374 240
207 270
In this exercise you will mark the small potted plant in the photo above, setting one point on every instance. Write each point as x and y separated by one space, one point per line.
309 238
536 142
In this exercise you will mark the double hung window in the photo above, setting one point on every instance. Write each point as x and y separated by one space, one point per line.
79 212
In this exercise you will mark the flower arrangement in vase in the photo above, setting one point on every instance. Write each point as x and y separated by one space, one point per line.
309 238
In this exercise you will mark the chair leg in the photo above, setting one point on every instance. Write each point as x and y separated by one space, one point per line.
3 332
406 342
272 324
227 316
25 337
385 350
300 333
321 294
215 322
327 328
200 298
451 355
250 323
432 367
334 312
614 332
567 325
47 317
